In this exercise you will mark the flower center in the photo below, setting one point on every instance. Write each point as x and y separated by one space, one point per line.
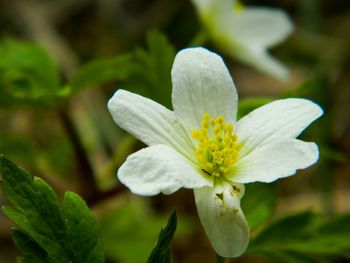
217 145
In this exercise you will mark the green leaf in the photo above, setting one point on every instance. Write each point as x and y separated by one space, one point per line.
292 257
304 90
99 72
161 253
133 226
151 74
297 227
304 237
19 147
145 71
67 233
32 253
28 76
259 203
78 218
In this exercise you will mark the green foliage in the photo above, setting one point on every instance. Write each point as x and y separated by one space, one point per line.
129 228
161 253
19 146
151 69
304 90
304 237
31 252
27 75
259 203
133 227
49 232
144 71
100 71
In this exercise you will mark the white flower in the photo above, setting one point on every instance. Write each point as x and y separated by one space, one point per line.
246 32
200 144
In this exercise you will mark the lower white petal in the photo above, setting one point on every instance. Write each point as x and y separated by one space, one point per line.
275 160
159 168
222 218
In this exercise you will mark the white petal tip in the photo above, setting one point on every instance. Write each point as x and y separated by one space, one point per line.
112 104
188 53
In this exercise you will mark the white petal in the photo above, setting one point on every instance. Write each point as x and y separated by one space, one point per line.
275 121
202 83
149 121
213 7
247 34
260 26
159 168
259 58
275 160
222 218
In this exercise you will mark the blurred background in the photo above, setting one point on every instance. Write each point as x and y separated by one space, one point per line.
60 62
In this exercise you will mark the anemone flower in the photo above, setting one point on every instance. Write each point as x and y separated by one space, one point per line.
200 145
246 32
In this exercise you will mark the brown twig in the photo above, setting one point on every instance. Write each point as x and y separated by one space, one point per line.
86 176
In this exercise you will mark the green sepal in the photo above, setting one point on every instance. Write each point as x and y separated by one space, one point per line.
161 252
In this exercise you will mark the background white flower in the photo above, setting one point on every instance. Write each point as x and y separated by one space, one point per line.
246 32
201 145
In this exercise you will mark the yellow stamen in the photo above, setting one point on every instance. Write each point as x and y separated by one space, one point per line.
217 145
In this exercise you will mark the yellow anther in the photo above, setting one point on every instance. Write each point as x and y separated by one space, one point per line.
209 165
217 149
206 116
196 134
220 120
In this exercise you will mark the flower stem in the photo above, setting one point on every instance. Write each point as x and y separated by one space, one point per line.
86 174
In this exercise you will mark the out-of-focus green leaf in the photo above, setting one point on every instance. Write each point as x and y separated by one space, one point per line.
127 229
304 237
133 227
145 71
285 230
18 146
28 76
101 71
246 105
152 67
292 257
57 156
67 234
161 253
304 90
259 203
